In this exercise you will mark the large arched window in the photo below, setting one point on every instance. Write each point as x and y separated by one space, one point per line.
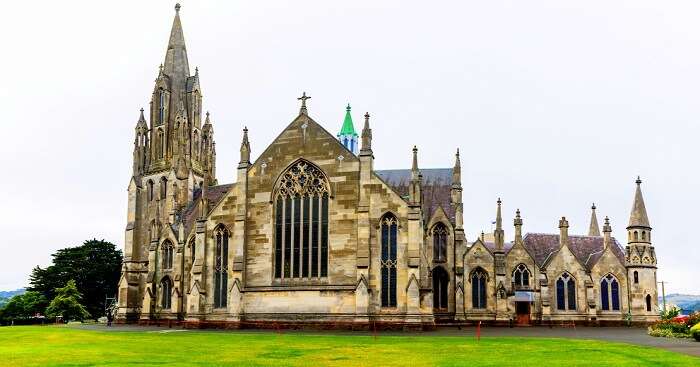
478 279
221 236
648 300
301 223
439 242
610 293
566 293
440 287
521 276
167 255
166 293
389 228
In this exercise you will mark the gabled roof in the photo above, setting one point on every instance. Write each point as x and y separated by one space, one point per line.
587 249
437 183
190 213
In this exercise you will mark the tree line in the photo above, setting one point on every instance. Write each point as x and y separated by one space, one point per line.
75 286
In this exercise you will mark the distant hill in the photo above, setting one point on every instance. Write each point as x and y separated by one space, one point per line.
687 302
6 295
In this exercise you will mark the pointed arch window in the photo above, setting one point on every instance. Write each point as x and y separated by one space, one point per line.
163 188
192 250
166 290
167 255
389 233
301 223
521 276
610 293
149 187
440 288
161 107
439 234
648 301
161 143
221 235
478 280
636 277
566 293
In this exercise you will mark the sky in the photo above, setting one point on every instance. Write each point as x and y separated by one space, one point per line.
553 104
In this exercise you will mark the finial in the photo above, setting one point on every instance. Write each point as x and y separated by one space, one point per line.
303 99
177 8
457 153
196 70
415 149
639 180
517 213
366 116
607 221
141 109
245 129
498 201
593 206
347 108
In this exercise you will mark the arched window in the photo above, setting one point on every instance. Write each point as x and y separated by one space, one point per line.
167 255
163 188
566 293
636 277
644 235
440 287
389 227
166 293
192 250
478 279
610 293
149 188
161 143
161 107
648 299
521 276
301 223
636 235
439 242
221 235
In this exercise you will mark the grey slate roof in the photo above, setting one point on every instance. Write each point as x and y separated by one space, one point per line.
437 183
587 249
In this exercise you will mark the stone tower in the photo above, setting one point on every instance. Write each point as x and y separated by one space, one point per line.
173 158
347 135
640 261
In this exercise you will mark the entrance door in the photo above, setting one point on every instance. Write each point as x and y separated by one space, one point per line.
522 311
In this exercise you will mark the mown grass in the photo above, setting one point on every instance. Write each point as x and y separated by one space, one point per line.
68 346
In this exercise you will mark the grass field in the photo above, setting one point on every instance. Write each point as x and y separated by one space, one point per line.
67 346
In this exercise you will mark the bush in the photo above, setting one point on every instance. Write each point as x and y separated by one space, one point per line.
695 332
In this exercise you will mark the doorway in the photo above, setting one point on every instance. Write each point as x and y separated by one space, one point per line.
440 287
522 312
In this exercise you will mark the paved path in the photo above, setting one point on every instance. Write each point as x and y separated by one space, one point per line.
631 335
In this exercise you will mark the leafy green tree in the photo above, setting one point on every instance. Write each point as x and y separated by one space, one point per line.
95 266
23 306
67 303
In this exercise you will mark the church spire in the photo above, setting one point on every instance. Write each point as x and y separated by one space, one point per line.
593 229
245 150
348 135
638 216
498 234
176 64
366 137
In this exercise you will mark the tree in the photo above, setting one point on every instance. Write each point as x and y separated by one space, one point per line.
23 306
95 266
67 303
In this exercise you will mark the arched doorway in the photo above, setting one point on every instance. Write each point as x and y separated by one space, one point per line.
441 282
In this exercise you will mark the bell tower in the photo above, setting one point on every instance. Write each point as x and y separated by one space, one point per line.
640 261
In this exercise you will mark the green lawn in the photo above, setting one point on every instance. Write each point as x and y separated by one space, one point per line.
67 346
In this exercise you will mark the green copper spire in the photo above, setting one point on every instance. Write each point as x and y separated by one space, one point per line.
348 127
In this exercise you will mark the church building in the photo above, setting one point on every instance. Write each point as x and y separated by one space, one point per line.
311 234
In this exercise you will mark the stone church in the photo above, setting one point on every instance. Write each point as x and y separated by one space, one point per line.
311 234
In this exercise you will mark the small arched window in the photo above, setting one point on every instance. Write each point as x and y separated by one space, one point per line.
439 243
166 293
635 235
221 235
610 293
521 276
648 299
167 255
478 280
195 148
161 107
636 277
301 223
163 188
644 235
566 293
192 250
161 144
389 233
149 188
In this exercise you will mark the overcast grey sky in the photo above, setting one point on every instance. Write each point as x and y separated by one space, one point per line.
554 105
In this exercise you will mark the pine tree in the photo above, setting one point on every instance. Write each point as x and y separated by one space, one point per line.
67 303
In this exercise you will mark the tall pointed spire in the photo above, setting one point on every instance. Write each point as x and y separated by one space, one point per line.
414 165
245 150
498 234
593 229
638 216
176 64
457 171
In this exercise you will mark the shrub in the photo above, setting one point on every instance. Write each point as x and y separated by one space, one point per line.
695 332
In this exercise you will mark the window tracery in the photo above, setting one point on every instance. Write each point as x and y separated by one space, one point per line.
388 263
